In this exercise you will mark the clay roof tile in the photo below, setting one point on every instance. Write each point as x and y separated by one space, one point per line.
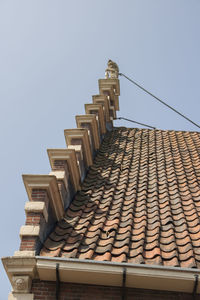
139 203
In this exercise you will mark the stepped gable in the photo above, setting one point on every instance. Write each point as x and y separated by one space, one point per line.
139 203
120 208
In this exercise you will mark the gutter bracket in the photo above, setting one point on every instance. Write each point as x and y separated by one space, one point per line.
195 286
124 285
57 281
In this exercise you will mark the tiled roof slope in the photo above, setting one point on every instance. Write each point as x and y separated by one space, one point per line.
140 202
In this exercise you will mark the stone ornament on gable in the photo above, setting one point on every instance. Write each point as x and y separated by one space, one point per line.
112 70
21 284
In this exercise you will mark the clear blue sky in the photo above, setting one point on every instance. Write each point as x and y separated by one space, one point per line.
52 54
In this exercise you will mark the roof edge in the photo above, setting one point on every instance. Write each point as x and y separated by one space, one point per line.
152 277
111 274
69 167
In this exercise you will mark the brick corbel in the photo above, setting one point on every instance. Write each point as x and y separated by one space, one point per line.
36 207
97 109
90 121
103 99
112 86
69 156
48 183
20 271
80 136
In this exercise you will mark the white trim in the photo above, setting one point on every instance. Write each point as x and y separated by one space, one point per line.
111 274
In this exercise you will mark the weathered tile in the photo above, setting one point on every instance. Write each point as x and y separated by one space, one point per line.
139 203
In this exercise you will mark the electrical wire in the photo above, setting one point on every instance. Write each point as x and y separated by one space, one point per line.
121 118
161 101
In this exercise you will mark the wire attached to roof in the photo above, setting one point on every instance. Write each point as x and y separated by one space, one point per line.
121 118
158 99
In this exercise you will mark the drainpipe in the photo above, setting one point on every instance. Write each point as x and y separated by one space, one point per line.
124 285
195 286
57 281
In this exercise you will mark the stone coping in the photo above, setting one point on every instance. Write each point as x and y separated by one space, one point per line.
49 183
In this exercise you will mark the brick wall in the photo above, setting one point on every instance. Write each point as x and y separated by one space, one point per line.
28 243
45 290
34 218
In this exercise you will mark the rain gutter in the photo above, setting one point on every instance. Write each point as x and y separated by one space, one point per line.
112 274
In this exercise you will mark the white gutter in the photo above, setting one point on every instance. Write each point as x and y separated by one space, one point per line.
111 274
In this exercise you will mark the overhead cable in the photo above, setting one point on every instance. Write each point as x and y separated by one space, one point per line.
121 118
161 101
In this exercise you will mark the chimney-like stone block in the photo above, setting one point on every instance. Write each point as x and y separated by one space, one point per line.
64 164
64 186
37 184
43 210
97 109
90 122
109 88
80 136
103 100
79 156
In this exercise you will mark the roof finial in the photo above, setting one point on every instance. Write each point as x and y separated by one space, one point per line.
112 70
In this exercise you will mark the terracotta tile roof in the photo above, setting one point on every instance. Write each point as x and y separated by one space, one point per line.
139 203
